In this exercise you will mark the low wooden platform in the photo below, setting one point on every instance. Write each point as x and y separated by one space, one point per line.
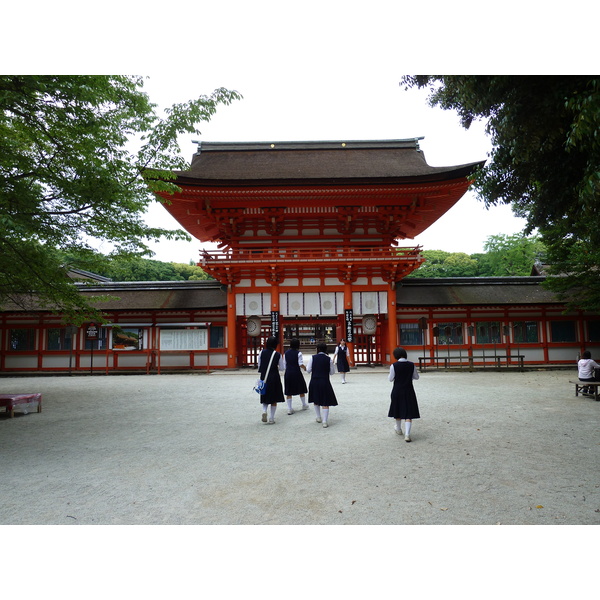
579 385
496 360
21 403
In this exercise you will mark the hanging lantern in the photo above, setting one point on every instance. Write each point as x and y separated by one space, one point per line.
253 325
369 324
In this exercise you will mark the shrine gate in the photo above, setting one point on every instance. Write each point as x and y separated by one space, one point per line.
308 236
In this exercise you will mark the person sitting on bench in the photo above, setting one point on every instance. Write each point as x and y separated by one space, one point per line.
585 368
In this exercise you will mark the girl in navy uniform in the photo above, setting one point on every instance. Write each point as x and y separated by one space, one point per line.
293 379
274 392
340 357
404 399
320 390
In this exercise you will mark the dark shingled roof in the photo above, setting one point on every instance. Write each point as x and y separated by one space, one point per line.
207 295
483 291
311 162
163 295
148 295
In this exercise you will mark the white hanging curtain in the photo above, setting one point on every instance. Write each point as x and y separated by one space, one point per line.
311 303
366 303
253 304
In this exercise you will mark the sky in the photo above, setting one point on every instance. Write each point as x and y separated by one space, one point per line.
314 70
322 70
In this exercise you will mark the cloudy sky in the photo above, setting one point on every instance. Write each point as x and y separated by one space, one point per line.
319 70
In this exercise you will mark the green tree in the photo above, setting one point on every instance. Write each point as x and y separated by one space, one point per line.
140 269
545 160
69 176
459 264
580 286
132 268
510 255
439 263
433 265
190 272
505 255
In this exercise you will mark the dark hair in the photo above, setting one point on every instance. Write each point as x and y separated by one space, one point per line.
322 347
272 342
295 343
586 354
399 353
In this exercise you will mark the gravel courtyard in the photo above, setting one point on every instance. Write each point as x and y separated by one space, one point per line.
490 448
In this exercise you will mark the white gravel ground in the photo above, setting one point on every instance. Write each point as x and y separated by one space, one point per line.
491 448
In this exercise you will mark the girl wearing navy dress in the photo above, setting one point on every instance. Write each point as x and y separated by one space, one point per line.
274 392
404 399
340 357
293 379
320 390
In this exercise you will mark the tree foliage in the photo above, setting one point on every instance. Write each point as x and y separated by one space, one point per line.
79 158
191 272
510 255
144 269
135 268
579 262
504 256
439 263
545 160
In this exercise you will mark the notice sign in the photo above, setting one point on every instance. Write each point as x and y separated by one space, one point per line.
349 325
275 323
183 339
92 331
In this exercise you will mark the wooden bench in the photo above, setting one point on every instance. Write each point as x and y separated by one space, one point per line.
21 402
498 359
579 385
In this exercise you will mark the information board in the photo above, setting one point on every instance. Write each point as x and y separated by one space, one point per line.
183 339
92 331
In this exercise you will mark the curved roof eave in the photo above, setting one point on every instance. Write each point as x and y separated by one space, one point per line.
309 163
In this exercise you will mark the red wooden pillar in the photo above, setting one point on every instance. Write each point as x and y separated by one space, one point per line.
231 328
580 332
393 340
544 335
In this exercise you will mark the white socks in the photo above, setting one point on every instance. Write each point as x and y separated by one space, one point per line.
407 426
302 399
318 411
325 414
265 407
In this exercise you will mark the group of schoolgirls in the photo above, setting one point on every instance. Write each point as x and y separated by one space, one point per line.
403 407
